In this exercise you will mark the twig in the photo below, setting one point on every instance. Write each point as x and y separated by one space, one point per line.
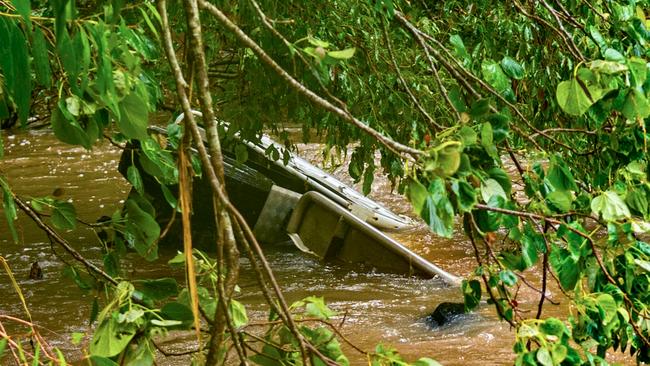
54 235
392 145
433 125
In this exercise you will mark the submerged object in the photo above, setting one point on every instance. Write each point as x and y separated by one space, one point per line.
319 213
320 226
35 272
445 313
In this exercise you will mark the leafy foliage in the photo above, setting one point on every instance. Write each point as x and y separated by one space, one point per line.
528 120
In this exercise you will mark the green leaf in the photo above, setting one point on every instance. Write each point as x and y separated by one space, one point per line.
636 200
24 8
142 230
544 357
9 207
491 188
417 194
512 68
241 153
508 277
67 129
14 61
342 54
111 338
636 105
611 54
448 158
133 176
41 59
134 116
437 210
102 361
166 323
565 267
494 75
553 326
465 195
317 42
3 345
559 201
487 140
238 313
572 98
459 46
610 206
467 136
159 289
607 303
607 67
560 176
64 215
531 243
177 311
480 108
471 293
502 177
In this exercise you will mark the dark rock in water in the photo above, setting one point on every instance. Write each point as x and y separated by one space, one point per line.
445 313
36 273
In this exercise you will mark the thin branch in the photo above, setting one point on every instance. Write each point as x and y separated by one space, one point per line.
392 145
433 125
64 243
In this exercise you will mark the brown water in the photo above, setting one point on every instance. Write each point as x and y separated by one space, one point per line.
379 308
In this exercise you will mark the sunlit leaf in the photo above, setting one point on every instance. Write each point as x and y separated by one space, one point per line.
610 206
343 54
512 68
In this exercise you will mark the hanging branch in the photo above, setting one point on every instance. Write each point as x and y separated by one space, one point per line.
64 243
392 145
433 125
270 27
284 312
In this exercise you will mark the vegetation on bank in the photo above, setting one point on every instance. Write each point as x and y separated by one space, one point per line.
447 92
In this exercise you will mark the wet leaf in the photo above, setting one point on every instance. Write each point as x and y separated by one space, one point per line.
512 68
9 207
159 289
64 215
487 140
41 59
417 194
544 357
133 176
610 206
134 116
142 230
559 201
471 293
465 195
238 313
111 338
491 188
342 54
437 210
572 97
565 267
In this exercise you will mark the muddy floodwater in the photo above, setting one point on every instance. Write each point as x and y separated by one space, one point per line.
378 308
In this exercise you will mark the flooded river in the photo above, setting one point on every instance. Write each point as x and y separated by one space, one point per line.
379 308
